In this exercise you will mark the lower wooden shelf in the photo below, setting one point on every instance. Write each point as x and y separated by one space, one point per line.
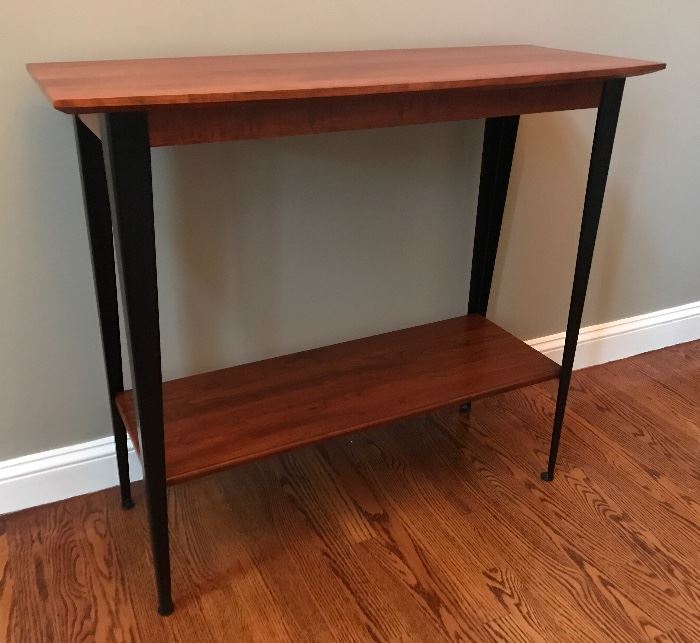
219 419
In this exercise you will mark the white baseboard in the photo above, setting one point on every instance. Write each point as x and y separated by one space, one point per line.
40 478
626 337
57 474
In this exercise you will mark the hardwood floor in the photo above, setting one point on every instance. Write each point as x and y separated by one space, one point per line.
433 529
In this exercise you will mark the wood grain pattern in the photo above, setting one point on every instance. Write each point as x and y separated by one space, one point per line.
98 86
219 419
435 529
6 578
291 117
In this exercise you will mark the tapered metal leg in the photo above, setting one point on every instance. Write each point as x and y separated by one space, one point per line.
496 161
603 139
99 226
128 160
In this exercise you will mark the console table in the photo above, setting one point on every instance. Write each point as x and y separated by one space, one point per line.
206 423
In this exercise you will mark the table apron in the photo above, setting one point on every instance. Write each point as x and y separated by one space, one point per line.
289 117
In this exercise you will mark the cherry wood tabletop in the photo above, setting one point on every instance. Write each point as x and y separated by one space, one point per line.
114 85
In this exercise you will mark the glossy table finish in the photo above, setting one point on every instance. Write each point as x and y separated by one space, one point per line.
219 419
208 422
111 85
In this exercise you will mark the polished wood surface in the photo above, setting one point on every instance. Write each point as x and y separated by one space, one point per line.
291 117
219 419
434 529
97 86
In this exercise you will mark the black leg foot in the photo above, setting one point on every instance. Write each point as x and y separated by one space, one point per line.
165 607
546 476
128 503
466 407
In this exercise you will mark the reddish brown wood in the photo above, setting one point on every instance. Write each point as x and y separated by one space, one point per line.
288 117
216 420
96 86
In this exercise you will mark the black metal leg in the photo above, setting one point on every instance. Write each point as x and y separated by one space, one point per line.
128 161
99 225
603 139
496 160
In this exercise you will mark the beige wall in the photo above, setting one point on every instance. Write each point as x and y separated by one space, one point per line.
272 246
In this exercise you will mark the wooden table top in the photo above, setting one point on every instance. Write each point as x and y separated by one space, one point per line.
114 85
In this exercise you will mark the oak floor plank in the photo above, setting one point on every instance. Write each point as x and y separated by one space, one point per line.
6 582
536 535
431 529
